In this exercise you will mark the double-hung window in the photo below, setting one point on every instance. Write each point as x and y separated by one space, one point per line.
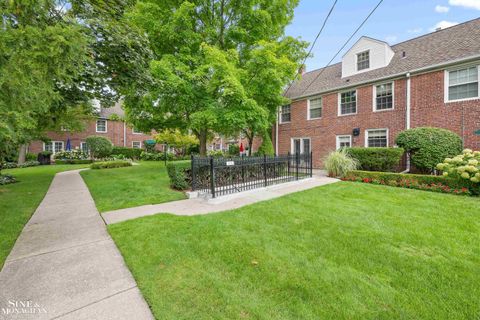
101 125
84 147
462 84
285 113
136 144
376 138
348 102
344 141
363 60
53 146
383 95
315 108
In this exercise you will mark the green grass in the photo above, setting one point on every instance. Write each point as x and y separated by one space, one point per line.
138 185
18 201
342 251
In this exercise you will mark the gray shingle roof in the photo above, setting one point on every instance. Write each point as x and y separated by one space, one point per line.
116 109
455 43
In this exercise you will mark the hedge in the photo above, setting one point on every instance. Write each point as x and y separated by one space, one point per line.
376 159
73 161
110 164
414 181
179 173
131 153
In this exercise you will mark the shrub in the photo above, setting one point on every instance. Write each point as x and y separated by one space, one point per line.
216 153
429 146
6 179
130 153
156 156
266 148
233 150
338 163
9 165
464 167
179 174
412 181
99 147
150 145
29 164
110 164
31 157
71 155
376 159
73 161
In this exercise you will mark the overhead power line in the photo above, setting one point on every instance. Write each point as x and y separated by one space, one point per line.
344 45
315 41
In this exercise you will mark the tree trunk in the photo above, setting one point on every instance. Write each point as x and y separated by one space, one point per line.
202 137
22 153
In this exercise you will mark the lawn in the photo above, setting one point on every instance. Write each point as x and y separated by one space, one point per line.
342 251
18 201
138 185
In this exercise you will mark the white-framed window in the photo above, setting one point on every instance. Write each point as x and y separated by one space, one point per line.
137 144
376 138
300 145
136 131
462 84
285 113
53 146
84 147
363 60
383 96
101 125
344 141
314 108
347 102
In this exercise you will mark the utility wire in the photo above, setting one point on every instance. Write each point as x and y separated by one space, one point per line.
314 42
344 45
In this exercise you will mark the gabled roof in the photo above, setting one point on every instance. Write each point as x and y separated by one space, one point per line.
116 109
366 38
440 47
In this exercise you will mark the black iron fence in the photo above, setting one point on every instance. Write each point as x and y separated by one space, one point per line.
221 176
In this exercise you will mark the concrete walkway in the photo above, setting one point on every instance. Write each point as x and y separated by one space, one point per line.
64 265
201 206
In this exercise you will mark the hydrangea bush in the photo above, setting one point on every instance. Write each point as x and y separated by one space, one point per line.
71 155
464 166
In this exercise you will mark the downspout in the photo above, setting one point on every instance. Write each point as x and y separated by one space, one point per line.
276 135
407 117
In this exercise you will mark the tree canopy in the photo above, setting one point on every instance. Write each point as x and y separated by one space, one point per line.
219 65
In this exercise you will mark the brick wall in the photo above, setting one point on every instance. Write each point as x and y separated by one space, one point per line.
427 109
115 133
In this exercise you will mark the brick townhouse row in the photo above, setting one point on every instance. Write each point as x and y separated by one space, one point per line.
378 90
108 124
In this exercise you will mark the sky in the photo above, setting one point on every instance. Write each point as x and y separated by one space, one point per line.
394 21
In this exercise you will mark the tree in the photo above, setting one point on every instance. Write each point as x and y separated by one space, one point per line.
219 65
176 139
99 147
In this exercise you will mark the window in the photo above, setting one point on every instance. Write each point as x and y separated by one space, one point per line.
300 145
136 131
344 141
462 84
53 146
101 125
285 114
376 138
315 108
84 147
363 60
136 144
383 94
348 102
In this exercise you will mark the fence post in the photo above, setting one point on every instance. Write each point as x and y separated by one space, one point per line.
297 162
288 164
193 171
265 168
311 164
212 178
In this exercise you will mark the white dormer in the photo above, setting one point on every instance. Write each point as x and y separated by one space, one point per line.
365 55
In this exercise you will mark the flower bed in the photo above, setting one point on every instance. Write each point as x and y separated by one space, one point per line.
413 181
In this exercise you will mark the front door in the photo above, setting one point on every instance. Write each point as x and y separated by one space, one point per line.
301 145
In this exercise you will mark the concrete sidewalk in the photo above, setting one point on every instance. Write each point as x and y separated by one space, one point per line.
201 206
65 265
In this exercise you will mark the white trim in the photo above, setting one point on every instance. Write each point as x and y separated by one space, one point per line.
301 143
53 145
139 144
106 125
337 139
374 96
308 107
366 136
339 103
446 85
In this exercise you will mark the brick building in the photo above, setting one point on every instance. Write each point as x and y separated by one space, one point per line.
108 124
378 90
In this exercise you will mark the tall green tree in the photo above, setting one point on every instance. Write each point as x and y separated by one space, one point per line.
219 65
